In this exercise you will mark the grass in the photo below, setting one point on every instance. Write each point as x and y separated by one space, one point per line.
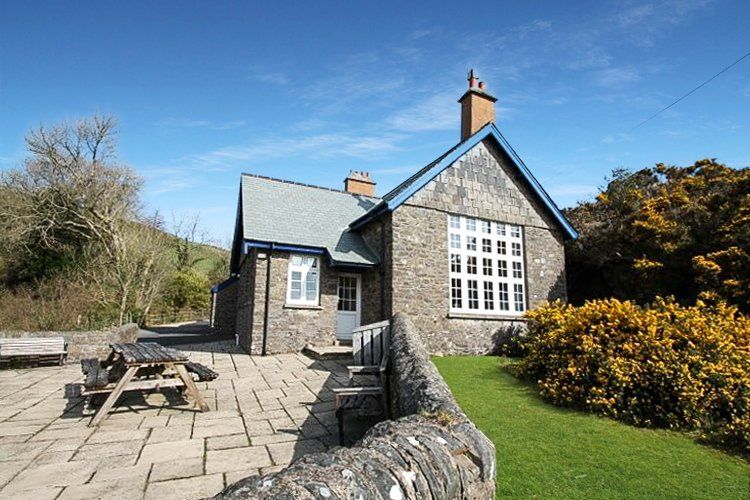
548 452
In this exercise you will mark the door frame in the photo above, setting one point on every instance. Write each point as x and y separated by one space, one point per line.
358 315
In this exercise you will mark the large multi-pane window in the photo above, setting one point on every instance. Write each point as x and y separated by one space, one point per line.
303 280
491 279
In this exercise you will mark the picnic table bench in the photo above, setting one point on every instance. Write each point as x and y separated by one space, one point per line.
141 367
38 349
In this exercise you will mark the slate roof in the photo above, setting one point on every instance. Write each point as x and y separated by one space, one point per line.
289 213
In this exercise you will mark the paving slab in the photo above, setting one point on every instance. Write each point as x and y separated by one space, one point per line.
186 489
264 413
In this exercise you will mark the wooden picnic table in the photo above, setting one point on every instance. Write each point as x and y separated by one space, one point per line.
141 367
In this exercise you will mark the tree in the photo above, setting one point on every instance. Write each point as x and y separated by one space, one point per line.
667 230
187 288
71 193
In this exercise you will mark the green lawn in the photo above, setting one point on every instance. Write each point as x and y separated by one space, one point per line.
549 452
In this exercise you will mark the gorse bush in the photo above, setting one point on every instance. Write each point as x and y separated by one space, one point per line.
661 365
664 231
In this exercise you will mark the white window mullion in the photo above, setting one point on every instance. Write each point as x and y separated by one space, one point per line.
491 242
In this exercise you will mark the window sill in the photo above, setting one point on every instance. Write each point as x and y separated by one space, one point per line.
303 306
491 317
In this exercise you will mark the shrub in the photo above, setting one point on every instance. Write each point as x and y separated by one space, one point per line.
663 365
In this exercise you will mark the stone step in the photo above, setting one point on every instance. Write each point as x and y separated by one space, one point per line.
328 351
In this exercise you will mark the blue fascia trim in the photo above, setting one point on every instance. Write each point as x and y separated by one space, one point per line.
220 286
483 133
284 248
380 208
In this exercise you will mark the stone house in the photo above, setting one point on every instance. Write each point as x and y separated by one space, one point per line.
464 246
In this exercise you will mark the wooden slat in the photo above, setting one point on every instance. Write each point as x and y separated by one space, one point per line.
138 385
386 340
357 348
367 347
377 347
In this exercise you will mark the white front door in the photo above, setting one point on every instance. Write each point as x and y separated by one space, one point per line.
347 313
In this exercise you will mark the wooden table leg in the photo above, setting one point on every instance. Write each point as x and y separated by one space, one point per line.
113 396
192 389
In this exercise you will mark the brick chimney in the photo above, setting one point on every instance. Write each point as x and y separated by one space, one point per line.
477 107
359 183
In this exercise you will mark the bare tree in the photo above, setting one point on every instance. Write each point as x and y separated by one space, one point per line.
71 191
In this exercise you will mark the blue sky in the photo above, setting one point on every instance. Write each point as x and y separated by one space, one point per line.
309 90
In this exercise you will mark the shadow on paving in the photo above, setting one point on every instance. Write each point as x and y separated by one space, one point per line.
180 334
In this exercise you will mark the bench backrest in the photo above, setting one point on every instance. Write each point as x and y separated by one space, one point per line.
370 343
32 346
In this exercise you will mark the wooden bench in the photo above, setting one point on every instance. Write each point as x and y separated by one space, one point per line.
370 351
34 349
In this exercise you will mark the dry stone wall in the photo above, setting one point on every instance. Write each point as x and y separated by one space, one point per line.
432 451
87 344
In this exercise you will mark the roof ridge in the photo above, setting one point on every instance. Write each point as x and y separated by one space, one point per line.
295 183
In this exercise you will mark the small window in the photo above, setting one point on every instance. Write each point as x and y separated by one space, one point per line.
471 264
455 263
518 296
456 293
471 224
486 227
486 245
489 296
455 222
473 294
501 247
503 296
487 267
500 229
455 241
517 272
502 268
516 249
515 231
303 280
471 243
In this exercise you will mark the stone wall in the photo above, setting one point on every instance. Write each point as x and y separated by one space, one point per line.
224 310
90 344
376 282
432 451
290 327
480 185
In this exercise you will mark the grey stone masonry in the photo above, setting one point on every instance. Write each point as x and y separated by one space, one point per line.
433 451
224 313
480 184
290 327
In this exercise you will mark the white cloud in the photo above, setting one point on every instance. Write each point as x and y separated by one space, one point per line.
618 137
193 123
437 112
616 77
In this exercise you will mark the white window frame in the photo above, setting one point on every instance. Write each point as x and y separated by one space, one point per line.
500 232
305 268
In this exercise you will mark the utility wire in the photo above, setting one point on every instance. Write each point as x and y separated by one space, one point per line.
691 92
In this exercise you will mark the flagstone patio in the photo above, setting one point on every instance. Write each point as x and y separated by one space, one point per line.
265 412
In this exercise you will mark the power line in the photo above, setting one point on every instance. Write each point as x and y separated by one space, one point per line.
691 92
